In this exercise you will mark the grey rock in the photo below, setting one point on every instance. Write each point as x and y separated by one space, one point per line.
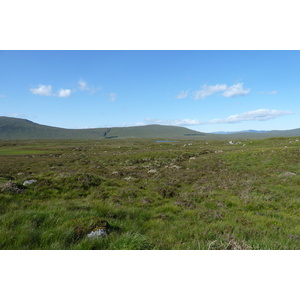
294 237
29 182
11 187
102 232
287 174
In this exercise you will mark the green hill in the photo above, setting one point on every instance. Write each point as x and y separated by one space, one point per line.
262 135
15 129
21 129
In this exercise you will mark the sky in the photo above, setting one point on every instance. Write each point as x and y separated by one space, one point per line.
207 91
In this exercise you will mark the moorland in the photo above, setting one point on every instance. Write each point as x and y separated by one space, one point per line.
186 194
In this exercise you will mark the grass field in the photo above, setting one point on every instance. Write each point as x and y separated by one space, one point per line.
177 195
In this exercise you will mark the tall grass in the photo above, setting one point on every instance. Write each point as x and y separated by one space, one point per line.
207 195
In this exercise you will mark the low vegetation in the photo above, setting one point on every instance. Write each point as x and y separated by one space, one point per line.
241 194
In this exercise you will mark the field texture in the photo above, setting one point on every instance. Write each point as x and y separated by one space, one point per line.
147 195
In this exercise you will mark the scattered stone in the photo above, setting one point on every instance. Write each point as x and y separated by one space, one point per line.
174 167
294 237
29 182
98 232
129 178
146 201
152 171
11 187
191 158
185 203
287 174
231 142
219 151
20 173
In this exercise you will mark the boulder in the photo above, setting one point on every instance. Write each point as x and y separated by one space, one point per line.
287 174
98 232
29 182
11 187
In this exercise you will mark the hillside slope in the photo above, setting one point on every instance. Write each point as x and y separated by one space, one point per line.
22 129
16 129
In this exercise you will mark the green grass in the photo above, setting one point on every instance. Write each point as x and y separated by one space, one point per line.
207 195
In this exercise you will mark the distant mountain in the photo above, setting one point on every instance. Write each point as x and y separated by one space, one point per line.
21 129
264 134
231 132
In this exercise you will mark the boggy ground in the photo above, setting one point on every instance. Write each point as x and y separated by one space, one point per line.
178 195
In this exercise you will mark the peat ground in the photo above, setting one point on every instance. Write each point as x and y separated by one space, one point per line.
183 195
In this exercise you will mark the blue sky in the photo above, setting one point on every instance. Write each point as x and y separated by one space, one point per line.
203 90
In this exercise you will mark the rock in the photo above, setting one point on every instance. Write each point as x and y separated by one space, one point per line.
11 187
101 231
152 171
174 166
29 182
294 237
88 226
287 174
146 201
98 232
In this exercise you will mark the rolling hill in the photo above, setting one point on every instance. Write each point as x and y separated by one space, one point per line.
16 129
22 129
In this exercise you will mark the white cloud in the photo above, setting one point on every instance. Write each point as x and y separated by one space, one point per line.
46 90
82 85
182 94
177 122
42 90
235 90
207 90
256 115
64 93
184 122
16 115
112 97
269 93
228 91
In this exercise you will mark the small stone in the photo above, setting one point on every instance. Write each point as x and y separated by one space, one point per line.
294 237
29 182
98 232
152 171
11 187
146 201
287 174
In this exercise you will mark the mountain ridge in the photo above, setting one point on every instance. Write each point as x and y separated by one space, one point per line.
23 129
16 128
